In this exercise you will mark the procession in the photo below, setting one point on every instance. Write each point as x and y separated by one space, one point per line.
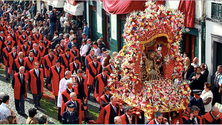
137 62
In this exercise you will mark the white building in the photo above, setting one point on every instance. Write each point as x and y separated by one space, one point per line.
213 35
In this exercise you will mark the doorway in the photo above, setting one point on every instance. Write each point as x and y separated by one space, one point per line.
106 28
188 45
93 23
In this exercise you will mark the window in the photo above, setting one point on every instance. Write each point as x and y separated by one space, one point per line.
216 10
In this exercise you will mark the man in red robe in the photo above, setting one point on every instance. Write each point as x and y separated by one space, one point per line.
58 51
57 72
102 81
36 51
66 94
94 68
66 58
36 82
30 42
194 118
159 119
37 37
49 61
29 61
74 66
9 40
105 98
107 115
19 61
74 51
42 50
88 60
19 31
25 48
5 54
21 38
19 84
110 66
81 85
14 36
213 116
28 31
11 58
128 118
46 43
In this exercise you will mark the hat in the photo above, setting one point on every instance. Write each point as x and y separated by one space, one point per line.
103 49
61 34
70 105
197 91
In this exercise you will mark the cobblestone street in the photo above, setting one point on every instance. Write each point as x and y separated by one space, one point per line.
6 87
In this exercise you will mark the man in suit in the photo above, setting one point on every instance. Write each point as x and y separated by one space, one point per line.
194 118
74 66
94 68
188 68
128 118
159 119
36 82
57 72
19 84
101 82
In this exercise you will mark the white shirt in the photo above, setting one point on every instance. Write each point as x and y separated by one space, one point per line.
5 111
58 68
37 72
115 109
204 97
83 50
194 65
97 51
62 87
62 20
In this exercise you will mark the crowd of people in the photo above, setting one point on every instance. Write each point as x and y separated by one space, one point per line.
54 50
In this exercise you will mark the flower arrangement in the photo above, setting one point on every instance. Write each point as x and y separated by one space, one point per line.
157 95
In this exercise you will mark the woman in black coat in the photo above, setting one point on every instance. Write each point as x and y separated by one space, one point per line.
197 79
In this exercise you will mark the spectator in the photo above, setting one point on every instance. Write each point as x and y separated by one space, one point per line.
4 107
204 70
43 119
96 49
12 119
53 19
86 30
188 68
74 28
71 35
31 119
195 62
1 97
4 121
217 84
114 54
207 97
79 23
197 79
62 20
100 44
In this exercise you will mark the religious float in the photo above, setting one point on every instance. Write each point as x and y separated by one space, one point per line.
147 71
